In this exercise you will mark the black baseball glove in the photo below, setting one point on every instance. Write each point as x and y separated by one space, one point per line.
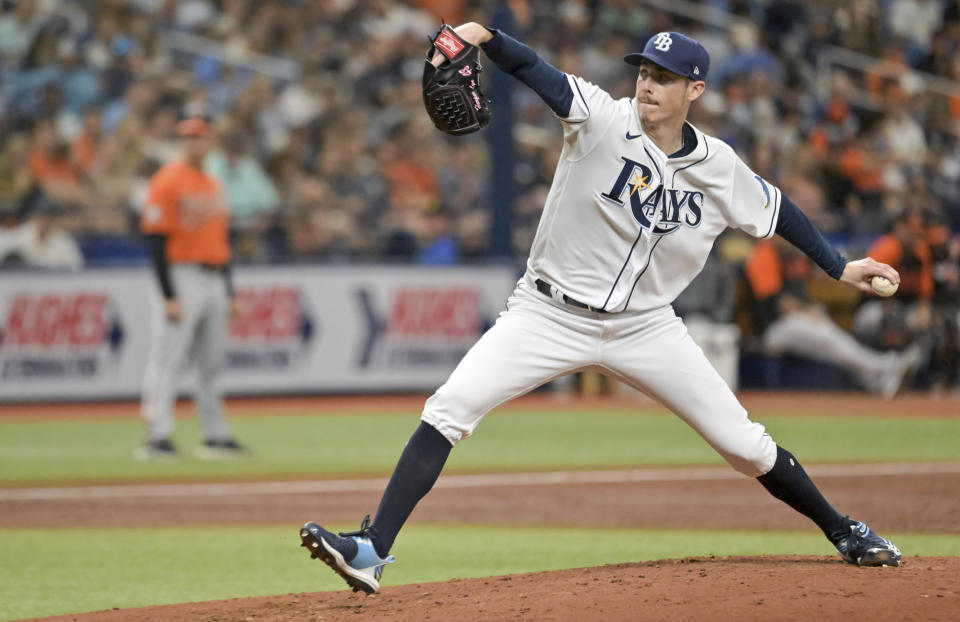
451 92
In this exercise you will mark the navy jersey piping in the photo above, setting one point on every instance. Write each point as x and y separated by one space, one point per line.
706 153
654 162
690 142
639 235
649 259
583 99
776 210
622 268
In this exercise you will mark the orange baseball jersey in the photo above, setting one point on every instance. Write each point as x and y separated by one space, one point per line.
186 205
765 270
916 274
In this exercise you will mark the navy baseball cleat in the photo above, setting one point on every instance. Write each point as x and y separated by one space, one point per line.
351 555
865 547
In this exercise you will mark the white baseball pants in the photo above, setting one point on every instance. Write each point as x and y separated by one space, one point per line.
537 339
200 336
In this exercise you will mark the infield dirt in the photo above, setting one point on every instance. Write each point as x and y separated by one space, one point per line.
925 503
715 589
758 588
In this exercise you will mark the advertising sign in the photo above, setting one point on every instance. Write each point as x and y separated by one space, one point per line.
300 329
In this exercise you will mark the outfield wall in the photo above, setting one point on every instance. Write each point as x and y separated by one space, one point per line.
302 329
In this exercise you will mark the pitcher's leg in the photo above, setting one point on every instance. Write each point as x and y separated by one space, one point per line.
415 474
856 543
530 344
674 370
663 361
789 482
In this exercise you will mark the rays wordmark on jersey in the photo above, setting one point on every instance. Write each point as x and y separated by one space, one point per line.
676 206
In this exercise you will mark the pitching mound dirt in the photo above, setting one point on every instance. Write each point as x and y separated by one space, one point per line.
715 589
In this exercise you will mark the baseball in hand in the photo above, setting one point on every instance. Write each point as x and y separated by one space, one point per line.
882 286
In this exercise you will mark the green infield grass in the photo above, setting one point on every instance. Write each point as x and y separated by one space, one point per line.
47 572
51 451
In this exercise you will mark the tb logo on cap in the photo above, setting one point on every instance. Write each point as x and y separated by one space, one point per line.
663 41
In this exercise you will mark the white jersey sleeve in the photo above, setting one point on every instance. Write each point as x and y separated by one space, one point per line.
591 112
754 203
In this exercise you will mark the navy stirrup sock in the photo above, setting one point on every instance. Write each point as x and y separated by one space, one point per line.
418 469
788 482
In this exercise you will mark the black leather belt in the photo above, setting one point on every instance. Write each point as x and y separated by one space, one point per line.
547 290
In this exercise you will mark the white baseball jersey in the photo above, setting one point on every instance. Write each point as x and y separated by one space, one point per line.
625 227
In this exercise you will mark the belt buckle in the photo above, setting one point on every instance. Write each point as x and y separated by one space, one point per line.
557 295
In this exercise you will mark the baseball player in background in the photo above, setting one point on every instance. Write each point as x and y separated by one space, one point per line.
638 197
185 223
792 323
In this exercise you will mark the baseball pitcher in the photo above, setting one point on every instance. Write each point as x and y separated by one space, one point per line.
638 198
185 222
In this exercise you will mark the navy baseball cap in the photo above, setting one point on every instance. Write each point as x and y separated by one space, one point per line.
676 52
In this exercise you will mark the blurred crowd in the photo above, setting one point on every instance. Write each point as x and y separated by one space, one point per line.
325 152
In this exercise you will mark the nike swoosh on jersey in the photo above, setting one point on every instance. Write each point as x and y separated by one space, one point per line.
629 137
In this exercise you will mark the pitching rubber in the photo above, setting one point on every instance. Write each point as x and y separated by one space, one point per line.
319 549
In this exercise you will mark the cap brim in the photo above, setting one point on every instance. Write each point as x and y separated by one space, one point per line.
637 57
